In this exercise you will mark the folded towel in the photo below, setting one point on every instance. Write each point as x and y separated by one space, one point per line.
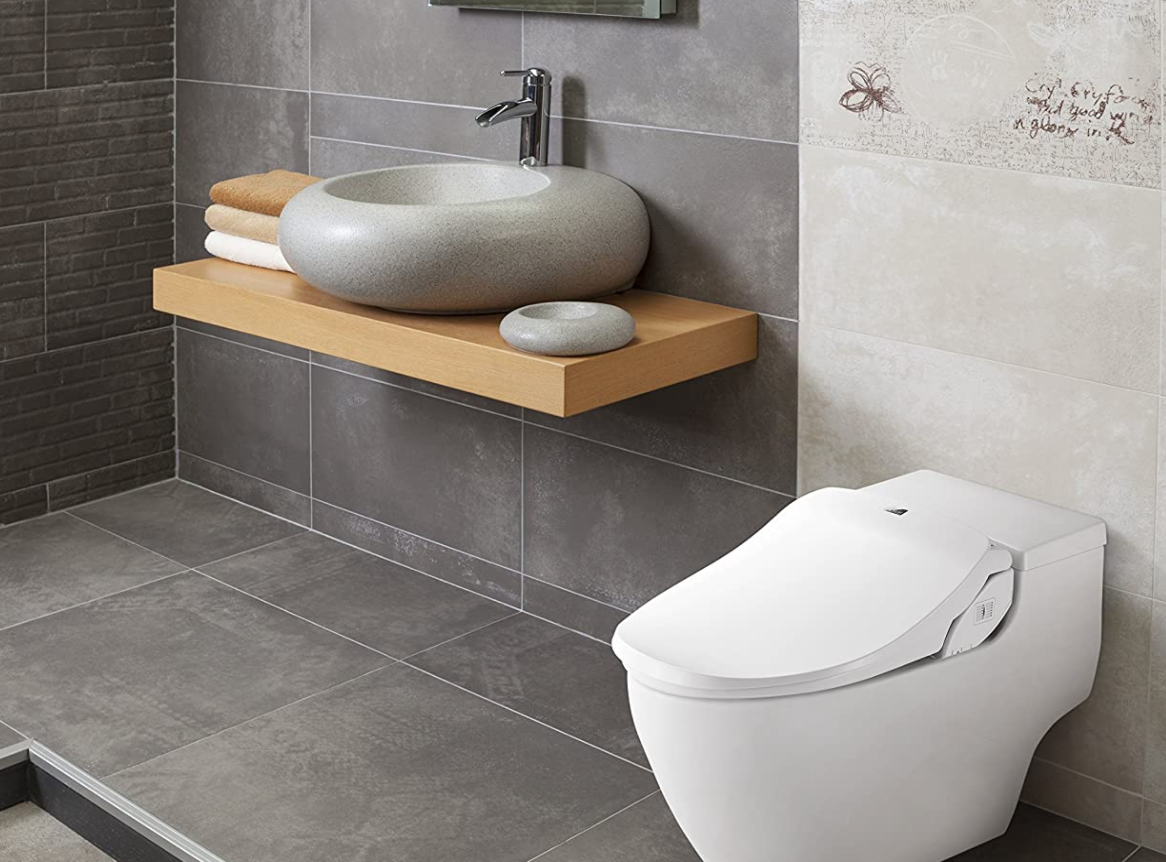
266 193
248 251
261 228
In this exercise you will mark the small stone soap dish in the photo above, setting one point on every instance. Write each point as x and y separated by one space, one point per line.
568 328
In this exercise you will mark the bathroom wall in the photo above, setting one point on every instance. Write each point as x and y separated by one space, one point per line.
581 520
981 233
86 194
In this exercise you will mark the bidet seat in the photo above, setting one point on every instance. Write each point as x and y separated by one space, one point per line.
797 609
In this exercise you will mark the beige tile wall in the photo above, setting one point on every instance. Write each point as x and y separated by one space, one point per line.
981 293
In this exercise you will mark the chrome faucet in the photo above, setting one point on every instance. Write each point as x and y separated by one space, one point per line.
534 109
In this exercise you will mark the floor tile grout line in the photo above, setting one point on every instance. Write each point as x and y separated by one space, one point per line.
268 714
1132 855
569 591
472 631
88 602
594 825
117 535
527 717
312 623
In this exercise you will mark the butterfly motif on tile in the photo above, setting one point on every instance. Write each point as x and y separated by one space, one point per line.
870 94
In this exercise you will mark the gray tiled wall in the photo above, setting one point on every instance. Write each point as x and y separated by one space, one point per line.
86 212
579 520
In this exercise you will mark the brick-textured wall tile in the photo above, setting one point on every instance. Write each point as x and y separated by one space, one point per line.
72 412
100 274
102 41
22 45
81 150
22 286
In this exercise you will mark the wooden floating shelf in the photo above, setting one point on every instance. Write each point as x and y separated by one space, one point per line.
676 339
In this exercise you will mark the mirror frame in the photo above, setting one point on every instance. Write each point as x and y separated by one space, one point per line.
652 8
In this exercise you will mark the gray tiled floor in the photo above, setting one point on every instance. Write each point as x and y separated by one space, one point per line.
185 523
59 561
380 604
8 736
28 834
255 703
547 673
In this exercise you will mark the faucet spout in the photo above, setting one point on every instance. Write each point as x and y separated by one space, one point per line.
534 109
508 110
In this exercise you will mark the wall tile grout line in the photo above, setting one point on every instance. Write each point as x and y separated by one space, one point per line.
398 149
998 362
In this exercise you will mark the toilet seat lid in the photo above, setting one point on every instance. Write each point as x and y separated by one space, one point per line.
837 588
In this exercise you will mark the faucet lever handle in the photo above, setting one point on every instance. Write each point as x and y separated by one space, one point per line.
535 74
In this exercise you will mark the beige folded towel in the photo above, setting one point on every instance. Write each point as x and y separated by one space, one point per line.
266 193
261 228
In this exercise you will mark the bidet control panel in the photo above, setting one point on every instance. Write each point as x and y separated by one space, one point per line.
985 615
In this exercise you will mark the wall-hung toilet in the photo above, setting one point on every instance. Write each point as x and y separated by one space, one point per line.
867 678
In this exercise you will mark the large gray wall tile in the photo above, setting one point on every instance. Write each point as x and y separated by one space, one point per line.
437 469
190 232
1153 829
740 423
1105 738
436 560
245 409
1086 800
871 409
621 527
275 499
331 158
265 44
1046 272
435 128
729 68
408 50
1156 749
227 131
570 610
724 221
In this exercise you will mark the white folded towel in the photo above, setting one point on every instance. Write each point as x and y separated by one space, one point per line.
248 251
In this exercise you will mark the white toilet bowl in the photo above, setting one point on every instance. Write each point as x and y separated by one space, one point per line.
867 678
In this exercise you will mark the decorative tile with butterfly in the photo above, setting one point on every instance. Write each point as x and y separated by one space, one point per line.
1063 87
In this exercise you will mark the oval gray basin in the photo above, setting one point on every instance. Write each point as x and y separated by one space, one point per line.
466 237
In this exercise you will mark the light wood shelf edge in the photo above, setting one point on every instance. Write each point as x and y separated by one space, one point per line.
678 339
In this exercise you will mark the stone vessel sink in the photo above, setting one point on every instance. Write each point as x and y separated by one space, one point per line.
466 237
